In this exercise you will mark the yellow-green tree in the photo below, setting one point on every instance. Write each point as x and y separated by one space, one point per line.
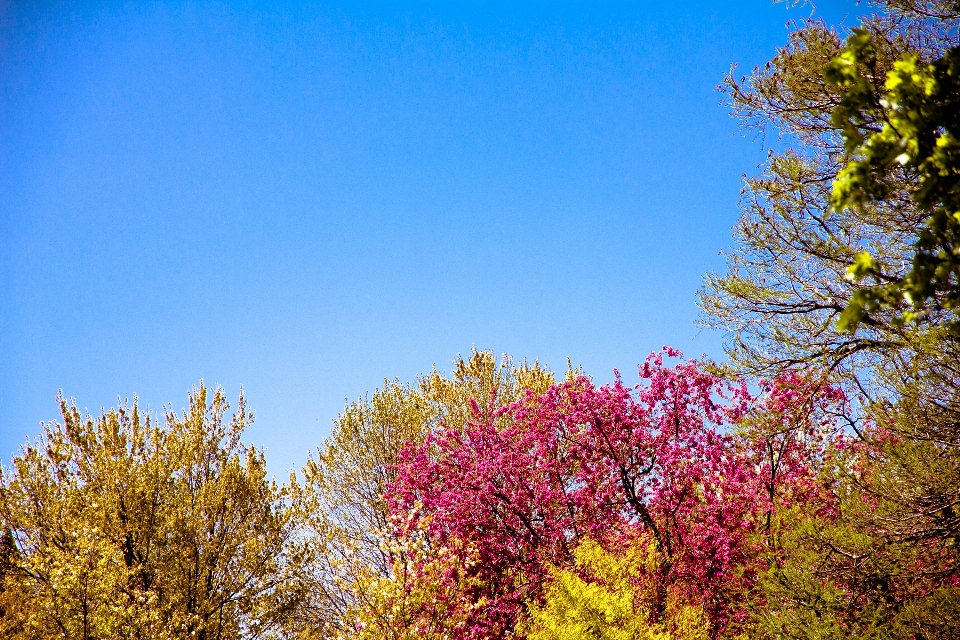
124 526
603 598
357 566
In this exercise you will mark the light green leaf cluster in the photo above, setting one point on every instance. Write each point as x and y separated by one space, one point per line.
902 130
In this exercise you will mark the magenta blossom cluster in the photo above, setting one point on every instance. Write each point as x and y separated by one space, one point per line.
661 462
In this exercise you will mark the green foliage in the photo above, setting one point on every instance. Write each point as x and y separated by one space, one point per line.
787 280
846 263
883 562
874 570
902 132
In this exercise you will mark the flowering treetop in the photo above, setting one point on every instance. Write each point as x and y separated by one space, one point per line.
657 462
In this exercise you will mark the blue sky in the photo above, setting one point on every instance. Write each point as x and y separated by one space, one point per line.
306 199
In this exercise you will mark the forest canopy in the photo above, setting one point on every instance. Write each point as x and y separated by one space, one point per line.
807 487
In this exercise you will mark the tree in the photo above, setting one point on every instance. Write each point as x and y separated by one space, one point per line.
786 286
874 566
507 501
127 527
344 510
11 595
845 261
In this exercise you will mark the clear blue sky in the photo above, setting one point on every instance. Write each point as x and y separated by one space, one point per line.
305 199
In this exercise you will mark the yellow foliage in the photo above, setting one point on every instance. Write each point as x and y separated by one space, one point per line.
414 601
123 527
602 598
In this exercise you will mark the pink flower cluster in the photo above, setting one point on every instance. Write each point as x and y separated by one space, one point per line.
658 461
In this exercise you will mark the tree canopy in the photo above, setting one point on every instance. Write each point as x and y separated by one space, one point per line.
125 526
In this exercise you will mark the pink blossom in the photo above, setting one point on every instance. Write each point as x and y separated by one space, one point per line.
658 461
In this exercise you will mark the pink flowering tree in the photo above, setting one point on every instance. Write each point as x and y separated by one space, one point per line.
659 462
